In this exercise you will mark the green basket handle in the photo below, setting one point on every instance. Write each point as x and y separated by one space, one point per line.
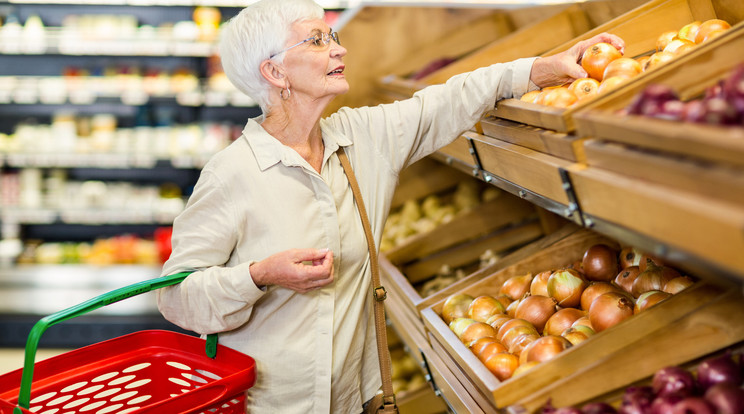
24 395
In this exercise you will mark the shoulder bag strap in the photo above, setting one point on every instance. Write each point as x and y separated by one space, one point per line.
378 291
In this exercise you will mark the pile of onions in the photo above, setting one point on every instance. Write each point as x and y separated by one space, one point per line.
654 277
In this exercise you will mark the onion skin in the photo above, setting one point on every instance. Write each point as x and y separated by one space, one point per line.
678 284
478 345
716 370
649 299
509 325
575 336
600 263
609 309
476 331
584 320
491 349
566 287
726 397
497 320
653 278
456 306
539 285
595 289
598 408
513 333
521 342
562 320
516 287
665 404
637 400
629 256
626 277
502 365
673 380
483 307
536 310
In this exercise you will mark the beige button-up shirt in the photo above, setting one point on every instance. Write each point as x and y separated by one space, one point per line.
315 352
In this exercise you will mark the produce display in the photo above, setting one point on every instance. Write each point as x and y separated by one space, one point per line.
713 387
406 374
535 317
722 104
447 275
607 68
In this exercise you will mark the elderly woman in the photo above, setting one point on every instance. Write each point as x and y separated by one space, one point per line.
272 233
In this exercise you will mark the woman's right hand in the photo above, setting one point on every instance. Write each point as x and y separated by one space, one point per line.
301 270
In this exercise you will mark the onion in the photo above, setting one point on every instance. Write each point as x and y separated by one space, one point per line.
478 345
598 408
637 400
649 299
694 111
664 404
718 111
497 320
653 278
519 343
509 325
504 300
575 335
476 331
693 405
536 310
716 370
511 310
509 336
678 284
609 309
726 397
523 368
568 410
456 306
626 277
644 261
583 321
546 348
539 285
673 380
483 307
600 263
502 365
516 286
566 287
629 256
458 325
562 320
491 349
595 289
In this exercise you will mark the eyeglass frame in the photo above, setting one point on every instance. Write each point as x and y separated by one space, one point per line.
323 36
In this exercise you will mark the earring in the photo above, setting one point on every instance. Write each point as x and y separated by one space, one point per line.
282 94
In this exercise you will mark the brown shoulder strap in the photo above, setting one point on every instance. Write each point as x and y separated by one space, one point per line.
378 291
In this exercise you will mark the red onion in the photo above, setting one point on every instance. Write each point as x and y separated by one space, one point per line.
665 404
719 112
694 111
717 370
693 405
568 410
726 397
598 408
673 380
638 396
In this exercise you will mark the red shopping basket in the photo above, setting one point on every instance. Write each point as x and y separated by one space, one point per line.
145 372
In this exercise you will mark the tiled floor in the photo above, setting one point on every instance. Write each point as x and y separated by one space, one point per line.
12 358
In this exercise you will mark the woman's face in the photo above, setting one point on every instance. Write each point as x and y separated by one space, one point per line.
315 70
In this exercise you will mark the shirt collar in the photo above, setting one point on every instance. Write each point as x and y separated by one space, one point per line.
269 151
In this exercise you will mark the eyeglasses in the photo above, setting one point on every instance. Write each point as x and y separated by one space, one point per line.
320 41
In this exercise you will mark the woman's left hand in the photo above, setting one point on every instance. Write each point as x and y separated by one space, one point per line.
565 67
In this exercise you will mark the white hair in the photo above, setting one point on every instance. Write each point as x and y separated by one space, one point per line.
256 33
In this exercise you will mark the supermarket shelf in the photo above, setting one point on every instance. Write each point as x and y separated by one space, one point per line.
88 216
100 160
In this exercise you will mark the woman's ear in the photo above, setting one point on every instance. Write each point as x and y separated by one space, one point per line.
273 73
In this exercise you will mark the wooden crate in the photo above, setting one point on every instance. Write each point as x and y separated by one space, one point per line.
565 146
712 155
601 345
639 28
696 224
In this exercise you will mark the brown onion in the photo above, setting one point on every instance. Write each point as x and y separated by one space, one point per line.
483 307
458 325
609 309
653 278
509 325
524 367
595 289
678 284
476 331
562 320
600 263
511 310
490 349
516 331
504 300
516 286
502 365
536 310
539 285
575 336
583 321
644 261
630 256
456 306
649 299
497 320
519 343
547 348
479 344
626 277
566 287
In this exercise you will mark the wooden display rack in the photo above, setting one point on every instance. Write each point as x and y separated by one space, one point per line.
639 28
551 378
